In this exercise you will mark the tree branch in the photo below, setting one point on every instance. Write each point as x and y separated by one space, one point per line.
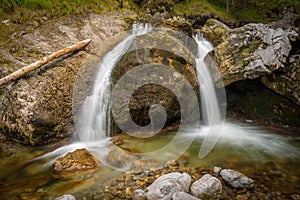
21 72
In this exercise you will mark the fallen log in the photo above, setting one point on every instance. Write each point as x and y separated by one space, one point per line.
21 72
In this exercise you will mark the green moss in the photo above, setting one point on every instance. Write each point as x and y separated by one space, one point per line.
251 48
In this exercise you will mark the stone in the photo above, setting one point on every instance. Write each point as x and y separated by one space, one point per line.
183 196
217 170
236 179
159 92
74 164
66 197
139 194
165 186
287 81
139 166
207 187
247 52
37 109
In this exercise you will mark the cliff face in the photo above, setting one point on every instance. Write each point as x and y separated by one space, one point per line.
37 109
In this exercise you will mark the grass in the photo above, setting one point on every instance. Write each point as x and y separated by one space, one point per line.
239 12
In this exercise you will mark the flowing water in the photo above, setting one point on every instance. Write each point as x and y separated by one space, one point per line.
268 156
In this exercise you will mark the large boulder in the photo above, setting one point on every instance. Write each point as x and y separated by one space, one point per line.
37 109
162 47
167 185
75 164
207 187
248 52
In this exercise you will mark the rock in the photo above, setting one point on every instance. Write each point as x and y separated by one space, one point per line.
165 186
139 194
236 179
247 52
37 109
74 164
215 31
139 166
120 158
217 170
66 197
287 81
183 196
207 187
161 47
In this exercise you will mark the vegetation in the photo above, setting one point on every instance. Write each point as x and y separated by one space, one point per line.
239 11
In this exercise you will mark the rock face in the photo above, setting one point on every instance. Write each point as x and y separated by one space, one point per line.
247 52
75 164
287 81
37 109
161 47
207 187
165 186
236 179
255 50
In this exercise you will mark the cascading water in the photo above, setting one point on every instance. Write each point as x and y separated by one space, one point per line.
95 110
216 130
211 115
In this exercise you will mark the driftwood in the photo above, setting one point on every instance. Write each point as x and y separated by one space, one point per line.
21 72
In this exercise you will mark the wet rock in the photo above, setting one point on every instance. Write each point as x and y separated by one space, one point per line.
165 186
160 92
139 166
207 187
139 194
74 164
120 158
183 196
236 179
217 170
66 197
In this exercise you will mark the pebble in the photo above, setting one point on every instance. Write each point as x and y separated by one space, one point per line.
138 194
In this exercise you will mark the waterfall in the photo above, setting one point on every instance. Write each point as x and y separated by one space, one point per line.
211 114
96 107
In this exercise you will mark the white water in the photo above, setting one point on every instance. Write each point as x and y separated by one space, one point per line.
96 125
95 110
238 136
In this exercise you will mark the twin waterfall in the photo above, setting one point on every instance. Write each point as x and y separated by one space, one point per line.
94 129
96 108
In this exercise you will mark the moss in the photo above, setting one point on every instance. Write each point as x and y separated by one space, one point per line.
251 48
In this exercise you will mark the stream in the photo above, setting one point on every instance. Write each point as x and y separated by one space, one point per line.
271 157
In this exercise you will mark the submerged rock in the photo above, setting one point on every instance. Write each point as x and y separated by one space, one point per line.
139 194
236 179
167 185
139 166
74 164
207 187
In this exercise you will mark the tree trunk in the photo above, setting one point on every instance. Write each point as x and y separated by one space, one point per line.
21 72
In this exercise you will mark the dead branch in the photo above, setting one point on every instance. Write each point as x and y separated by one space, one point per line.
21 72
